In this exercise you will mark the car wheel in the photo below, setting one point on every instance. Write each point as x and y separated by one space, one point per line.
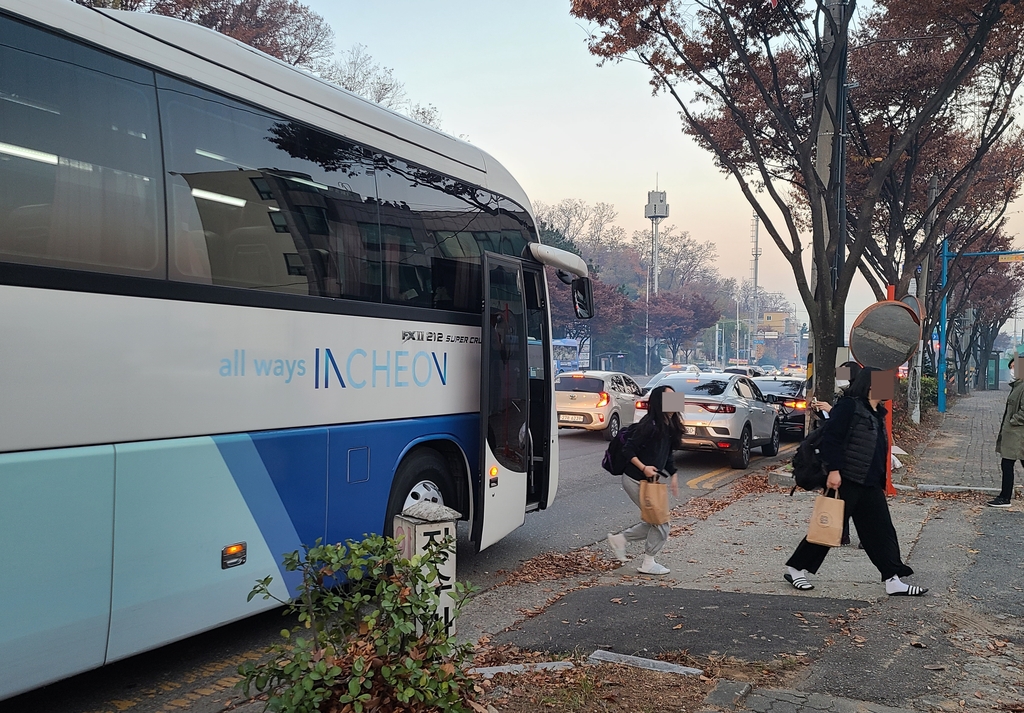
740 458
613 427
423 475
772 447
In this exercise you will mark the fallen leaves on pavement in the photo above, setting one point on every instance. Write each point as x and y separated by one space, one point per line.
558 565
615 687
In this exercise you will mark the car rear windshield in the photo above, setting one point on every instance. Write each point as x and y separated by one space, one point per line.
786 388
698 387
584 383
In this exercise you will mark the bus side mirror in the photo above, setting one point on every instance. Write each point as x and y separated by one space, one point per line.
583 297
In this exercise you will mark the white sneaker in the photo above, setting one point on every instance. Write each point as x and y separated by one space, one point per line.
652 568
617 543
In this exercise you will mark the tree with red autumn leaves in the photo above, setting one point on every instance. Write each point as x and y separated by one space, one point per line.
749 81
285 29
678 319
972 148
611 306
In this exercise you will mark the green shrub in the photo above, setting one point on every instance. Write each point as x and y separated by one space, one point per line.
929 391
375 644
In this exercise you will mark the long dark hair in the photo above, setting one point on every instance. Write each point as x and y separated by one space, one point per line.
657 422
860 387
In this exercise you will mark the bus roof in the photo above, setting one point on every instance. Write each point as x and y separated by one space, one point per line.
221 63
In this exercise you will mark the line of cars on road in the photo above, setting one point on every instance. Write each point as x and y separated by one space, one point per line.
726 412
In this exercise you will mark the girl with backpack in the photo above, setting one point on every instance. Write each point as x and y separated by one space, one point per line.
648 451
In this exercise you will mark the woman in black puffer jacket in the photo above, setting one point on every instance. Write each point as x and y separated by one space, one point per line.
854 449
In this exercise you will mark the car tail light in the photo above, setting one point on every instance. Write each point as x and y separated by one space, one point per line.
724 445
641 405
717 408
603 401
795 404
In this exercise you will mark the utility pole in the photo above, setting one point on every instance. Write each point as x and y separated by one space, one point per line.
737 298
914 389
756 252
647 327
656 209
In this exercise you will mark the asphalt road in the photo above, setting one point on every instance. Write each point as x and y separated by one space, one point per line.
198 674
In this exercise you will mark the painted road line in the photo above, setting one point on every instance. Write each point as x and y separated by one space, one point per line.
701 481
701 478
722 479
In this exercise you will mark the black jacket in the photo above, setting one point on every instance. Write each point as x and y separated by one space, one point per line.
651 449
856 443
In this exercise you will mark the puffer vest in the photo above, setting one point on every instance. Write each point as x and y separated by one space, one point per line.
861 443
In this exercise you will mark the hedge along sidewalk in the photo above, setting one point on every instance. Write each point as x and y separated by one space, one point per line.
961 453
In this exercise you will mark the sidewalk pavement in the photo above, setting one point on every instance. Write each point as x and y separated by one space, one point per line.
961 454
962 644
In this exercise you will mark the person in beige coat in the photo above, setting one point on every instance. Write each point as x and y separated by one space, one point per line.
1010 443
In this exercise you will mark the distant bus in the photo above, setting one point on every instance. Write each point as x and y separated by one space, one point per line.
566 354
241 310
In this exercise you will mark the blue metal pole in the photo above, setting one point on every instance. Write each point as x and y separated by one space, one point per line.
941 368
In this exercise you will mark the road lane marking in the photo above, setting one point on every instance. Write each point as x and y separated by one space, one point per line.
720 476
693 483
722 479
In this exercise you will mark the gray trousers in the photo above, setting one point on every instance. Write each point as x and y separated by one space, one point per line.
654 535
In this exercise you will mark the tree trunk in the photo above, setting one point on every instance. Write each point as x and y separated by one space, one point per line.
825 348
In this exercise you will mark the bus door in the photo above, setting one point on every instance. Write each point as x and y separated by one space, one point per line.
505 439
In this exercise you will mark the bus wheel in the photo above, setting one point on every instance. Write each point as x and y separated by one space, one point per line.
422 476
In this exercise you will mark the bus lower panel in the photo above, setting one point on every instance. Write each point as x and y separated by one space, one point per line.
129 537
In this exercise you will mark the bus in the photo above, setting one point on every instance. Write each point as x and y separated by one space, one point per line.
566 354
241 310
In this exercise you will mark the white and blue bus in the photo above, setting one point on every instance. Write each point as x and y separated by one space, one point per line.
241 310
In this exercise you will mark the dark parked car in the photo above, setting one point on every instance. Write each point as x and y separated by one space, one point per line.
789 396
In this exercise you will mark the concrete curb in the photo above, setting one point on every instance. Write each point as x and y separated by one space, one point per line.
602 656
490 671
785 480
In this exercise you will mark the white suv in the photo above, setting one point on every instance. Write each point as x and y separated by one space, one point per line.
726 413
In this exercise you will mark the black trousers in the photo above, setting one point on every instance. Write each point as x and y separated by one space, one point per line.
869 510
1007 489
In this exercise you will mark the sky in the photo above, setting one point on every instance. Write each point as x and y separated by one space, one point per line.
517 80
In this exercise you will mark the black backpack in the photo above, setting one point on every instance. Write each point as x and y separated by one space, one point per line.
808 469
614 460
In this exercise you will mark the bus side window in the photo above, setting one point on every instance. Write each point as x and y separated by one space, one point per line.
280 206
429 222
80 179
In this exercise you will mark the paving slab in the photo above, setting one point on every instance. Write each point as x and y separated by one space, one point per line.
646 621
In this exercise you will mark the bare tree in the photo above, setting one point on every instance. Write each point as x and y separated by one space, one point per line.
570 217
682 259
358 72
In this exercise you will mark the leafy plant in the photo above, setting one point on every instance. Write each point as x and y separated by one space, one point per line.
375 644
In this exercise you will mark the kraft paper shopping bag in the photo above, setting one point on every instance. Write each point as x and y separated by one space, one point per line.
653 502
826 526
